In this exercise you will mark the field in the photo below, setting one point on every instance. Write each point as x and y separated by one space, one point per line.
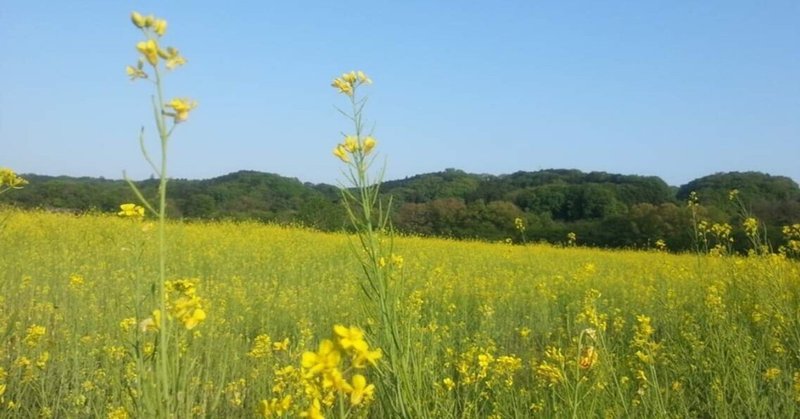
498 330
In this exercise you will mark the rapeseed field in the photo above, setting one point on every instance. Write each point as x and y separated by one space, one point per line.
499 330
134 315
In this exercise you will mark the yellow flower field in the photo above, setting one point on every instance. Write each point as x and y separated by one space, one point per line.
498 330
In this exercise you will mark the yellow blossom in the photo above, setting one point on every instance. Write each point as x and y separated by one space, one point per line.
135 72
127 324
173 58
327 357
275 407
343 86
363 77
131 210
10 180
449 383
350 144
351 337
181 106
149 49
160 27
314 411
771 374
361 390
362 358
369 144
281 346
340 152
35 332
588 358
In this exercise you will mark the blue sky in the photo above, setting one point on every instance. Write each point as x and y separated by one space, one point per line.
676 89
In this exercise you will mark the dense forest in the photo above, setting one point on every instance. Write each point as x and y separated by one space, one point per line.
602 209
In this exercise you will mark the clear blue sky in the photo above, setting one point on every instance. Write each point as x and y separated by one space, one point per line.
676 89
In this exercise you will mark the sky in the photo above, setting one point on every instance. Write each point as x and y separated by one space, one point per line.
675 89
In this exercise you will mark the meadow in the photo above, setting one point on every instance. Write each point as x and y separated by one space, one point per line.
498 330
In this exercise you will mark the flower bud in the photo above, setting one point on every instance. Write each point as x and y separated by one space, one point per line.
137 20
160 26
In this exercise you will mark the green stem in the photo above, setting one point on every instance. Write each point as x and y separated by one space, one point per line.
163 359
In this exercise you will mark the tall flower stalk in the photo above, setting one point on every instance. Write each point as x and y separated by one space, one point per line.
381 281
153 59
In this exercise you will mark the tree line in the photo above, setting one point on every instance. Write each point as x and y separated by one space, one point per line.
601 209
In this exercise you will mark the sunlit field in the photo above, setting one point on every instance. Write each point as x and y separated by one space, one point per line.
135 314
500 330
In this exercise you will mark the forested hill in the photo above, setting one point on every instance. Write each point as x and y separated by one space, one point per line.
603 209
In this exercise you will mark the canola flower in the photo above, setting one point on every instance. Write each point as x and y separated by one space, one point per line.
131 211
522 361
181 108
10 180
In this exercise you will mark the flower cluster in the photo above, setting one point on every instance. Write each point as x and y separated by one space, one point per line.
519 224
182 304
791 233
325 376
354 146
152 53
10 180
153 28
131 211
572 239
348 82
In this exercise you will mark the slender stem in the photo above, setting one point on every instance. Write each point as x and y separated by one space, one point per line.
163 359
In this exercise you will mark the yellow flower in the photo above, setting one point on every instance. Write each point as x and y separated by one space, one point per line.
333 379
131 210
137 19
173 57
326 358
149 49
771 374
281 346
362 358
589 357
35 332
182 106
351 337
363 77
160 26
361 391
190 322
369 144
350 77
127 324
349 81
9 179
275 407
449 383
343 86
341 153
350 144
314 411
135 73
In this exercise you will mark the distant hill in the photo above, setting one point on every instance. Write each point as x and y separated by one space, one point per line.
604 209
